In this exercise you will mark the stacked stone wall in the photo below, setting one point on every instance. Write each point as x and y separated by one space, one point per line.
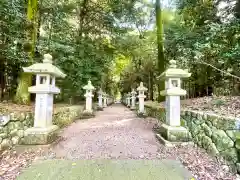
218 135
13 125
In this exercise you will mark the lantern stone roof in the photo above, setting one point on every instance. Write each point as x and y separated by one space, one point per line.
133 92
89 86
174 72
46 67
141 87
100 91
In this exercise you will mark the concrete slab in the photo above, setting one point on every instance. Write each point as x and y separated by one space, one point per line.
106 170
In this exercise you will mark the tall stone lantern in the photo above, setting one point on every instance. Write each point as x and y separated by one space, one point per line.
104 99
141 96
89 94
172 130
44 131
100 99
129 99
133 97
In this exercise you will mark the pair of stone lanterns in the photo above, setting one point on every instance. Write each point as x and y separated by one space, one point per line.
43 131
103 100
131 99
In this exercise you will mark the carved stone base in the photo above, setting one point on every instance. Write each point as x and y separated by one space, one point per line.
87 114
100 108
141 115
174 134
132 108
172 144
40 136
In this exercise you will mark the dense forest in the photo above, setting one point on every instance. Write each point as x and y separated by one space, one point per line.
117 44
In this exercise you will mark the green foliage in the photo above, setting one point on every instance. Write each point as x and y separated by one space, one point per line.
218 102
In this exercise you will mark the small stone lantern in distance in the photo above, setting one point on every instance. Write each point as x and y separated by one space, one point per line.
141 96
133 97
43 131
100 100
129 100
172 130
104 99
89 89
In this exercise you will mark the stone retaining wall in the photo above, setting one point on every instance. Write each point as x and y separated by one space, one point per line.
220 136
12 125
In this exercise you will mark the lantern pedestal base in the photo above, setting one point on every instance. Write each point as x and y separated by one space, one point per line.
40 136
100 108
141 114
87 114
133 108
174 134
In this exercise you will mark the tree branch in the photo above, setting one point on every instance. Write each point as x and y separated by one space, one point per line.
224 72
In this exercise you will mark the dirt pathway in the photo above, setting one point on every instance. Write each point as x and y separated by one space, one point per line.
101 148
115 132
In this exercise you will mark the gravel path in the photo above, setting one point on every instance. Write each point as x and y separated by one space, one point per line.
115 132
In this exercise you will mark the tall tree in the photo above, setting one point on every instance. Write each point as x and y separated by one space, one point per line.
25 80
160 60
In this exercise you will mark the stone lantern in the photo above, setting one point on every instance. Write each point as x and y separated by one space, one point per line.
100 99
141 89
129 99
133 97
172 130
104 99
89 94
108 99
43 131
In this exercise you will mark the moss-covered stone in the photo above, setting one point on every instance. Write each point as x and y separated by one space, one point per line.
15 125
212 149
20 133
6 143
226 124
15 140
231 134
209 123
13 132
22 117
193 114
221 140
14 117
195 129
199 138
207 129
1 129
3 135
238 167
198 121
237 144
206 141
183 122
230 155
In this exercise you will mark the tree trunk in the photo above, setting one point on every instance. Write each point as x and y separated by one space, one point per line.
25 80
161 61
